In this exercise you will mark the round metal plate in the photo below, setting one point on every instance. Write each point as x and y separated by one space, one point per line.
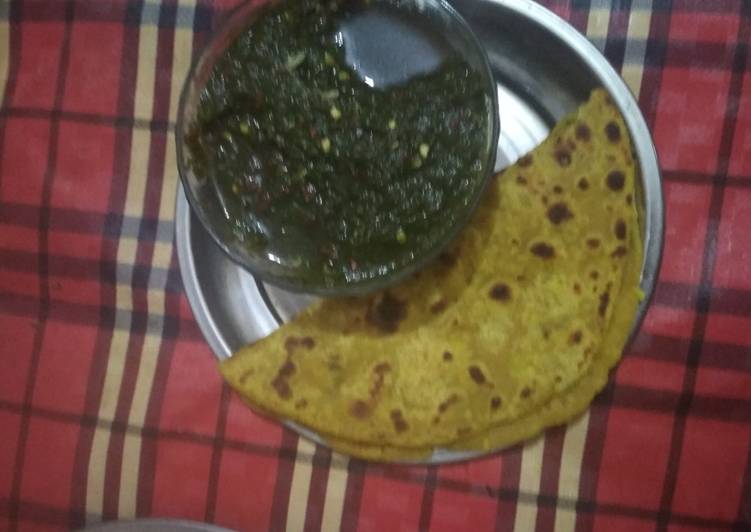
544 69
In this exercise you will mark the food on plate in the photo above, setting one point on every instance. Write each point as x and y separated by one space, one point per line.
511 330
315 167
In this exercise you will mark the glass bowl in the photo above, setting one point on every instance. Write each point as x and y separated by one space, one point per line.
387 44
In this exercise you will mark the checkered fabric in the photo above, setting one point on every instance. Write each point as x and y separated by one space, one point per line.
110 402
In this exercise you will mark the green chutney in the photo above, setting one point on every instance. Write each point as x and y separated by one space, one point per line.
327 175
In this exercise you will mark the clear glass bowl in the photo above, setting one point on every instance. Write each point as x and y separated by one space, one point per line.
380 49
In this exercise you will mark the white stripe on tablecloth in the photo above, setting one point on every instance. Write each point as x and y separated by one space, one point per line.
300 486
598 20
336 486
636 44
4 56
570 472
529 482
126 252
160 261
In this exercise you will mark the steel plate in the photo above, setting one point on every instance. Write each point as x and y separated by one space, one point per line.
544 69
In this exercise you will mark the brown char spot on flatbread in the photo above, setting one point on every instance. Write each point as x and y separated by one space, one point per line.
557 189
280 383
583 183
379 372
577 288
619 252
287 369
604 301
476 375
563 157
526 392
594 275
576 337
593 243
500 292
525 161
629 199
245 375
359 409
400 425
613 132
559 212
616 180
385 313
450 400
520 179
302 403
620 229
583 132
495 402
439 306
447 356
293 342
543 250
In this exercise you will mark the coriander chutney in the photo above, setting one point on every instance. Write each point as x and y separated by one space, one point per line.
330 176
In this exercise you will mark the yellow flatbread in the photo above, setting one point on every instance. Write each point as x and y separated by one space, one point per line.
512 330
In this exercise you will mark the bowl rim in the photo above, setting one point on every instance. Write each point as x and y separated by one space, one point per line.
251 9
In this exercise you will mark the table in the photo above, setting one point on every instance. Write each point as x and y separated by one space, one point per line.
110 402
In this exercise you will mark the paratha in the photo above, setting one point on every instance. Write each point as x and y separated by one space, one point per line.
512 330
562 407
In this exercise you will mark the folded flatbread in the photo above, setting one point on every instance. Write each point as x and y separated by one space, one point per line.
511 330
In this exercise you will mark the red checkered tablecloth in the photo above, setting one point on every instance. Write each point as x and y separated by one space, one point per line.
110 403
